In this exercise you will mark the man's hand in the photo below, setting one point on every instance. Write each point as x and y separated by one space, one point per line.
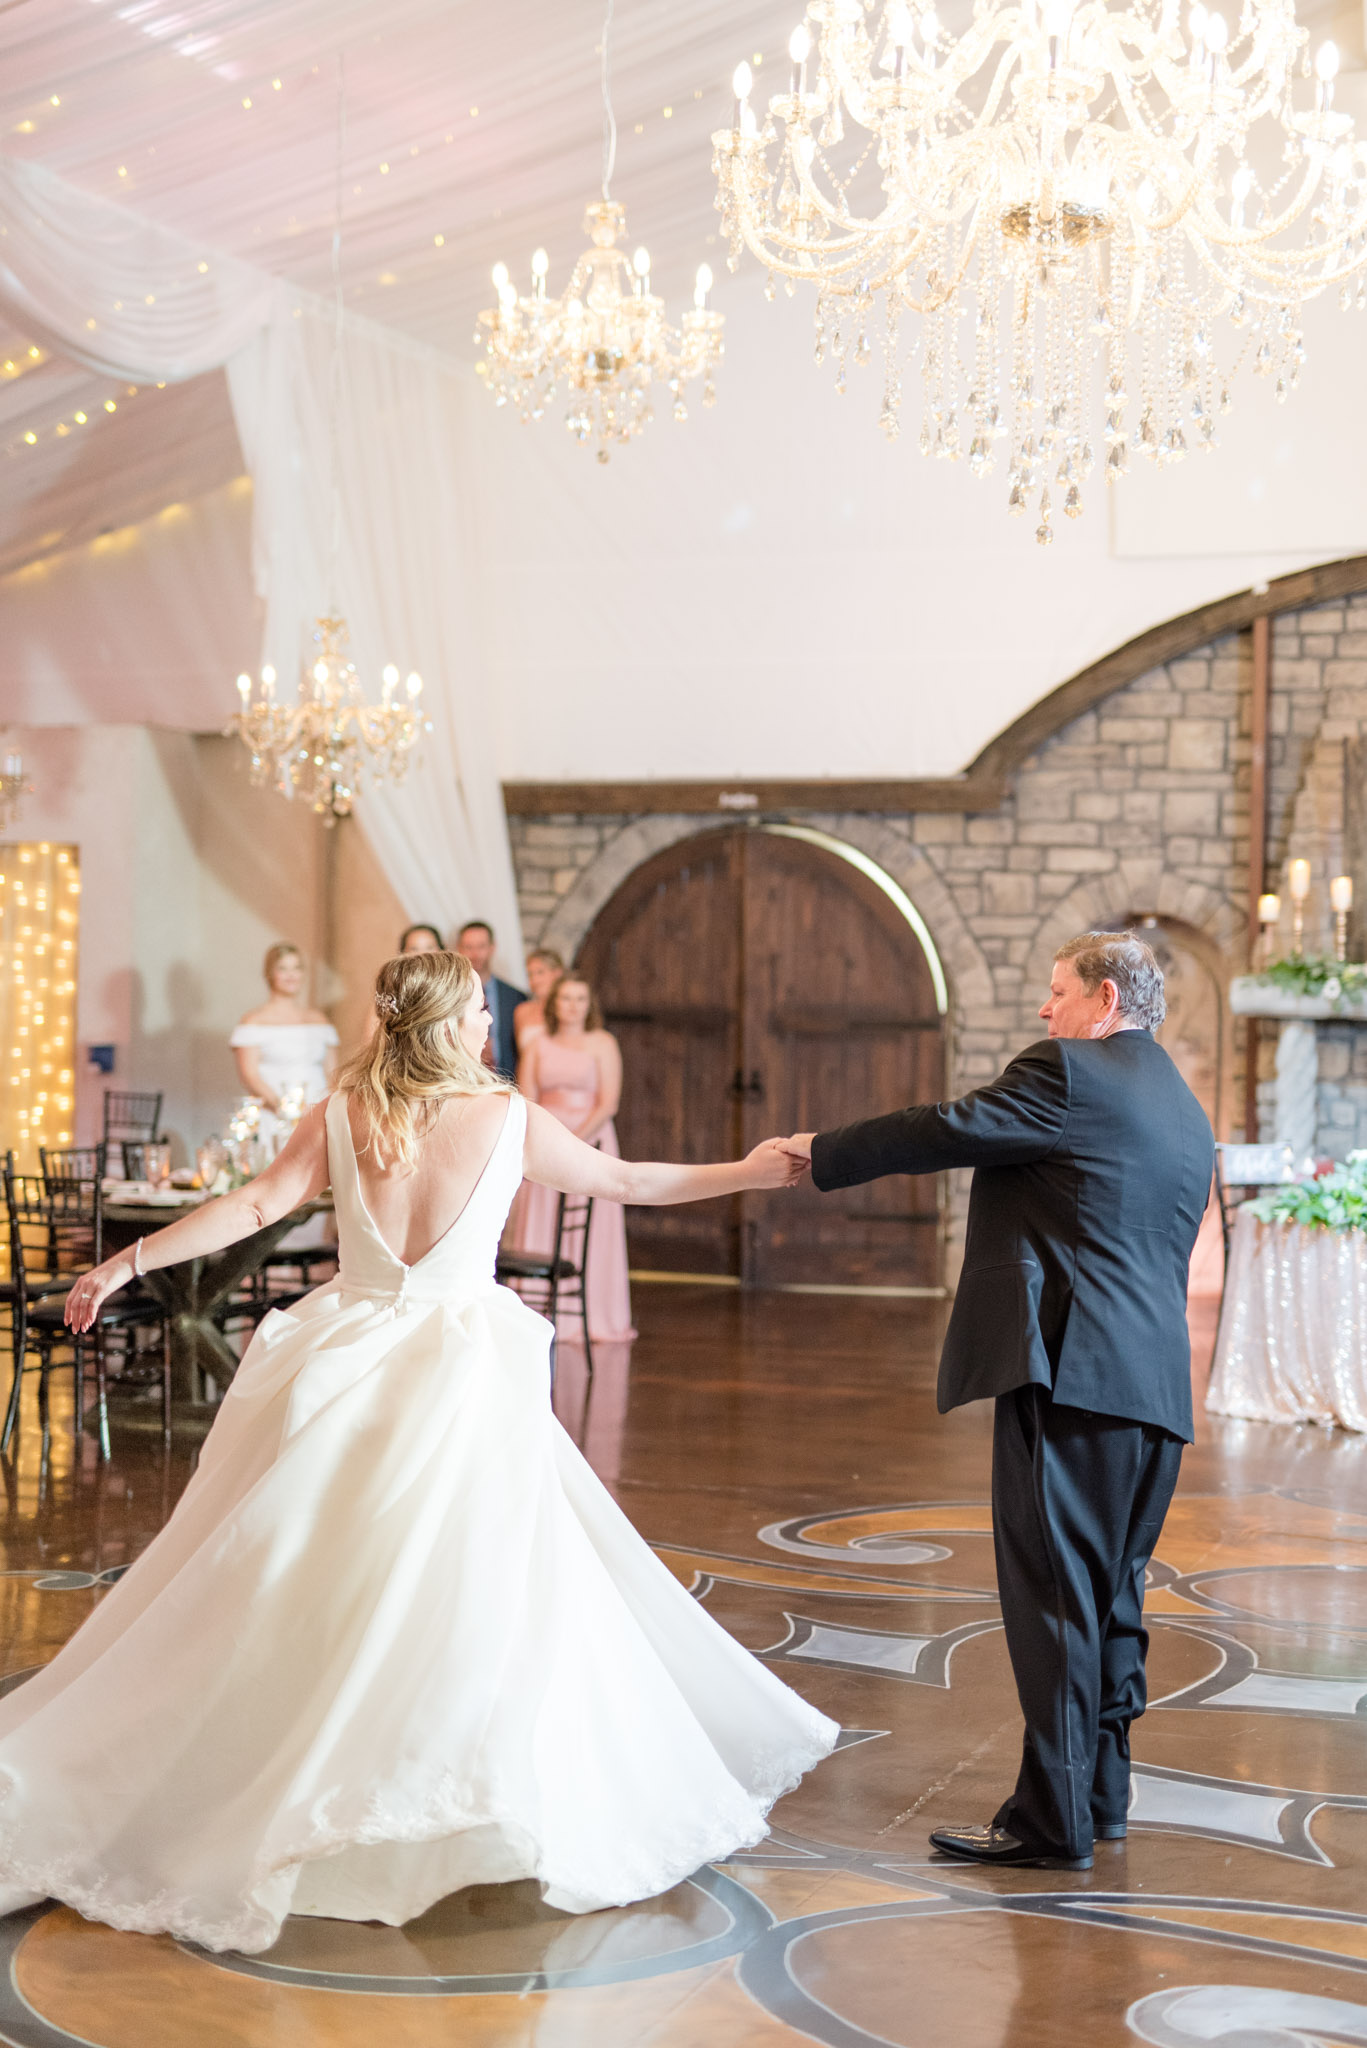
775 1165
798 1147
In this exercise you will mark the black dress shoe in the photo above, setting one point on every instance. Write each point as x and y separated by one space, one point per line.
995 1846
1110 1830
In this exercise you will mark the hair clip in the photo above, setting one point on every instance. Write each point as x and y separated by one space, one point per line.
386 1005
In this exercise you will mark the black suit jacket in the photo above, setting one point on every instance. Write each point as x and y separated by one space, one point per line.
1093 1166
505 1043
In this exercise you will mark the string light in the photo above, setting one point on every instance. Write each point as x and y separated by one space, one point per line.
40 889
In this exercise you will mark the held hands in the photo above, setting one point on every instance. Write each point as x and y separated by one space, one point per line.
774 1165
93 1289
800 1146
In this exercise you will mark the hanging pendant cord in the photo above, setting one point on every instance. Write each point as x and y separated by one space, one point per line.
609 118
335 374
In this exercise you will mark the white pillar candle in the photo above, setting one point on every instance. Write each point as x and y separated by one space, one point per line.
1298 880
1341 892
1269 909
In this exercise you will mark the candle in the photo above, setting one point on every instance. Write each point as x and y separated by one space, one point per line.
1341 892
1269 909
14 766
1298 878
742 79
799 49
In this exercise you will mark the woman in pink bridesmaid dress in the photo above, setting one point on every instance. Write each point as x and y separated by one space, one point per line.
573 1068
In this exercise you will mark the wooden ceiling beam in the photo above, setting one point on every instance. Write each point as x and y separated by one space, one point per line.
740 798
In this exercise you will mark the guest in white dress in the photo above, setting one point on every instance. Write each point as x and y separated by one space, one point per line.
396 1637
285 1050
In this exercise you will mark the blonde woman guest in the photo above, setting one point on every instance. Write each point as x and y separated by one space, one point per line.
396 1638
544 969
573 1068
284 1046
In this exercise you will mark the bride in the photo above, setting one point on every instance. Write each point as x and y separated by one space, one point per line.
396 1637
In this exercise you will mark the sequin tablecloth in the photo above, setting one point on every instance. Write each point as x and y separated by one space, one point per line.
1292 1345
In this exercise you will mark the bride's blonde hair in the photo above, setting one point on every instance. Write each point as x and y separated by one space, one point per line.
416 1058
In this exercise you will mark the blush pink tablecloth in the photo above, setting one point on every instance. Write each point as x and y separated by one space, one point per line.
1292 1345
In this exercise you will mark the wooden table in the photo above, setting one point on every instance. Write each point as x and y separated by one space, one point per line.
194 1288
1293 1325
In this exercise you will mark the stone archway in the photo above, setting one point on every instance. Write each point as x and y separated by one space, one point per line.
966 968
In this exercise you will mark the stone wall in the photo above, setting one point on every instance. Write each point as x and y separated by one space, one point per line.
1137 808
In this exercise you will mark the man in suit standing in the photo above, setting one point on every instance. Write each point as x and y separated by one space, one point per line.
476 941
1093 1165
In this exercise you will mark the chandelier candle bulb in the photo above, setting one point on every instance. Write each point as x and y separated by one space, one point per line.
799 49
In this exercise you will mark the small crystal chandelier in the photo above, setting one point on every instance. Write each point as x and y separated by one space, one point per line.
14 785
322 746
605 340
1073 193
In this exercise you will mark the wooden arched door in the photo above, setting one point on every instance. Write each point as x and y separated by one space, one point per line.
760 984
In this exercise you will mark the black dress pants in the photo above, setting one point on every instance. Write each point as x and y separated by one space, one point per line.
1078 1501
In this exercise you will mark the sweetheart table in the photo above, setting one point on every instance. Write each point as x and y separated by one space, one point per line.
1292 1345
195 1288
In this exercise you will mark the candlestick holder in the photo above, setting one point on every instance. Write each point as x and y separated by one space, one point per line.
1340 935
1297 927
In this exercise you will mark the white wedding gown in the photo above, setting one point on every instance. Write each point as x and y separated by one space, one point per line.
395 1639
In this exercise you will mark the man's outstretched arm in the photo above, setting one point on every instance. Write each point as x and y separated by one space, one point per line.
1017 1118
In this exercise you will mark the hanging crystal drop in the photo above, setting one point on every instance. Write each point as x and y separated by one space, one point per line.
1015 503
1072 504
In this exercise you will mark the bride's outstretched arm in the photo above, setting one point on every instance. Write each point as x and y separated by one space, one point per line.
555 1158
300 1173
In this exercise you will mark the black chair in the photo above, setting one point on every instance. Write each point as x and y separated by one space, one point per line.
68 1177
556 1278
132 1116
50 1222
134 1153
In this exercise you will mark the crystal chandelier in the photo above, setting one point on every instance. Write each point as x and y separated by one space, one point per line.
605 340
1093 208
322 746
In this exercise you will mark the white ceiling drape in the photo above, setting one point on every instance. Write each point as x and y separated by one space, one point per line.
125 298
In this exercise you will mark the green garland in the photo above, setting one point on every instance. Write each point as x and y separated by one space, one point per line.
1337 1201
1336 981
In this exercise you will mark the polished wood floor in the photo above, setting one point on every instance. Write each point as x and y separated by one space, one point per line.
784 1455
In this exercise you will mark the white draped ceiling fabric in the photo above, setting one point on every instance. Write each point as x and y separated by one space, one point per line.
126 299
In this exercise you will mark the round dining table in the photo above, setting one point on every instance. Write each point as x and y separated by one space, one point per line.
192 1290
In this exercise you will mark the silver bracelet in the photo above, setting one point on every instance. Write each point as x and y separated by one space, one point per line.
137 1259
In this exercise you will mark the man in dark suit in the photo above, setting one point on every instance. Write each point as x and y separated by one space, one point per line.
1093 1164
476 941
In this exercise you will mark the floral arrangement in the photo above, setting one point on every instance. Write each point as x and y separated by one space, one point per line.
1336 981
1334 1200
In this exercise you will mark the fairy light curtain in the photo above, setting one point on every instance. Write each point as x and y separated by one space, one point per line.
124 298
40 889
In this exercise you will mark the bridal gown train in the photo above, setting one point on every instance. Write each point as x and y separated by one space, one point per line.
395 1639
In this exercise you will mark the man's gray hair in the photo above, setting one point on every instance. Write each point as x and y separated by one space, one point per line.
1123 958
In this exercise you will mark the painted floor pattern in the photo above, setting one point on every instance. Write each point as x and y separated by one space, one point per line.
784 1457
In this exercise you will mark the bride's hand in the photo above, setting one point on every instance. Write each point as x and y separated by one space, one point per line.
93 1289
770 1166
